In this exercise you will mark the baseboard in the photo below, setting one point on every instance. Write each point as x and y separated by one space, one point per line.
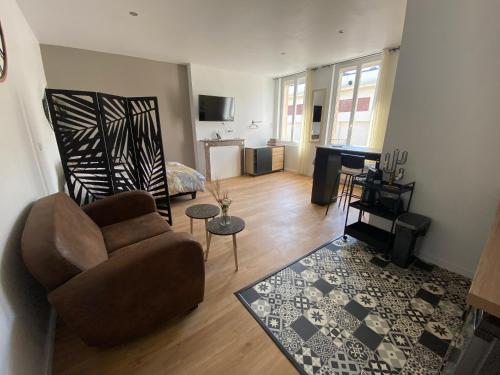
49 342
450 266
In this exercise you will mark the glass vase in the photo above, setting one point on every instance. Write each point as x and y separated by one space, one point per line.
225 218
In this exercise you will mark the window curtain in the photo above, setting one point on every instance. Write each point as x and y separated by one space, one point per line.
384 97
305 145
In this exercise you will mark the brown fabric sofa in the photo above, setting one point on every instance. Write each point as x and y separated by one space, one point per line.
113 270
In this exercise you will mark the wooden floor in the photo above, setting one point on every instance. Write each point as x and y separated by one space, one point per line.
220 337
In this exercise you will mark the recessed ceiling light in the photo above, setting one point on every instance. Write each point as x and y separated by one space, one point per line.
133 14
341 31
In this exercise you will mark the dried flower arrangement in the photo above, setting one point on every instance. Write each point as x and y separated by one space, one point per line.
222 198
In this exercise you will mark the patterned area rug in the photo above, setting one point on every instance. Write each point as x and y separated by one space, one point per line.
343 310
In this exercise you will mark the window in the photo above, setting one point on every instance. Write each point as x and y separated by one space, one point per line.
357 83
292 109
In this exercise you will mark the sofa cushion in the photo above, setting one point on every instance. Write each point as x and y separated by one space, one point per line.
133 230
60 241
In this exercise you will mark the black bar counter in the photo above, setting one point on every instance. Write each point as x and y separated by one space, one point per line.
327 166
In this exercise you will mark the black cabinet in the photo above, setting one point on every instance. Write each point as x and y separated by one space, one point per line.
325 177
263 160
260 160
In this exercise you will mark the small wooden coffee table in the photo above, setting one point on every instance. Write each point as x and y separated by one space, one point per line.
214 227
202 211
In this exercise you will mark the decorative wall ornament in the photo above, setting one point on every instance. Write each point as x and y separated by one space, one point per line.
391 164
3 56
109 144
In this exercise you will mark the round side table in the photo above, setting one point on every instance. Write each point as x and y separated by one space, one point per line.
214 227
202 211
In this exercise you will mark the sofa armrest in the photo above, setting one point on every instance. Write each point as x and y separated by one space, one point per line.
120 207
136 289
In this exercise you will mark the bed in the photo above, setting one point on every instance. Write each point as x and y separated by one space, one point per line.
183 180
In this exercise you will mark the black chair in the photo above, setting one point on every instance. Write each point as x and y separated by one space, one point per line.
350 166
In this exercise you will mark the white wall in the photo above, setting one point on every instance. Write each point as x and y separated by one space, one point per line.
226 162
27 171
254 100
292 158
445 112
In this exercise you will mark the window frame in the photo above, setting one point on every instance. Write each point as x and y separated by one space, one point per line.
283 113
358 65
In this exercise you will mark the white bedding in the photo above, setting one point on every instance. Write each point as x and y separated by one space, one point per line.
182 179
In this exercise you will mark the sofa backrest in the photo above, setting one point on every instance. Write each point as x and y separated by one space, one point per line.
60 241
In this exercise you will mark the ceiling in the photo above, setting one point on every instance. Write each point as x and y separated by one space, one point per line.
243 35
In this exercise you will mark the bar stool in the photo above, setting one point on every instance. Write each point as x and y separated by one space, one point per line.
350 166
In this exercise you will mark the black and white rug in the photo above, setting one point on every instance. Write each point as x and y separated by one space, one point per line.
343 310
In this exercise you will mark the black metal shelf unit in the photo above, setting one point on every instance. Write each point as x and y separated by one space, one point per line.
375 237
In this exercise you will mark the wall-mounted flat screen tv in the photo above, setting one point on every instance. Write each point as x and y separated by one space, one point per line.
215 108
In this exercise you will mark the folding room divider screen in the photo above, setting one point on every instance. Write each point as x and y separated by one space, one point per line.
109 144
